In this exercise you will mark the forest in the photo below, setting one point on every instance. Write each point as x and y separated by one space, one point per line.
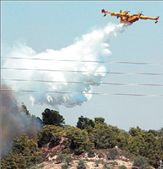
143 147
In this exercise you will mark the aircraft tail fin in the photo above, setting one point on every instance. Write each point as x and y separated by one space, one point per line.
105 12
157 19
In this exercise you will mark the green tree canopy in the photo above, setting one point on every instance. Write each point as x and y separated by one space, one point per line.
25 153
85 123
52 117
78 140
50 134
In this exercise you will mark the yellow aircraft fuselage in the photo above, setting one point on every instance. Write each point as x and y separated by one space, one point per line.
127 18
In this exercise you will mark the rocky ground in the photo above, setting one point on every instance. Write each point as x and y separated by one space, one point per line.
90 163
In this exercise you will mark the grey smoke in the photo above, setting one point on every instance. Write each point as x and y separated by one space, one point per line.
13 121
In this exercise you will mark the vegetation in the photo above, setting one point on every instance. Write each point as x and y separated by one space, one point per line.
81 165
52 117
79 141
122 167
50 134
140 162
85 123
145 146
25 153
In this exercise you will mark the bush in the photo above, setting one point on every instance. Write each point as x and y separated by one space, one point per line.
81 165
24 154
140 162
60 158
122 167
97 163
68 159
64 166
91 154
113 153
106 166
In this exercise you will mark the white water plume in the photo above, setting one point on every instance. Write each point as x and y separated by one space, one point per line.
74 63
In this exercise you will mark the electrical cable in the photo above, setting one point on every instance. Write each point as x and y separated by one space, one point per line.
87 93
85 61
90 83
82 71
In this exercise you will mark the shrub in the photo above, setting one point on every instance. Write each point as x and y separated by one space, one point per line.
106 166
91 154
97 163
65 166
140 162
81 165
122 167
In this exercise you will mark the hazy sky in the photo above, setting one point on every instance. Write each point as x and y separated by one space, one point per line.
54 25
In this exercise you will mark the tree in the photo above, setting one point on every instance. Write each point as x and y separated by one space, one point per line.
104 136
25 153
24 109
99 120
78 140
52 117
85 123
50 134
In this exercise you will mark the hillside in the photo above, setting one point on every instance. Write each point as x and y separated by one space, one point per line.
90 144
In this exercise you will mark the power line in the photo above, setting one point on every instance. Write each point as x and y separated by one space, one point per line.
82 71
90 83
87 93
85 61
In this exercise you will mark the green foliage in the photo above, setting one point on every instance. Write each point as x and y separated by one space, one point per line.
146 143
24 154
140 162
85 123
122 167
65 166
24 109
104 136
81 165
68 159
78 140
106 166
113 153
89 134
64 158
50 134
97 163
52 117
60 158
91 154
99 120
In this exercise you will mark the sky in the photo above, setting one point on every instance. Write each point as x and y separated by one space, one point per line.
55 25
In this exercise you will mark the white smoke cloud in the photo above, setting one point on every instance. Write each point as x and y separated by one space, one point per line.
92 46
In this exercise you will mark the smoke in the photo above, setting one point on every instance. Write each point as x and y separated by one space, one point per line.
13 121
74 65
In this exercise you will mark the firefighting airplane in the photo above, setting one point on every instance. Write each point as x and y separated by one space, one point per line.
127 18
